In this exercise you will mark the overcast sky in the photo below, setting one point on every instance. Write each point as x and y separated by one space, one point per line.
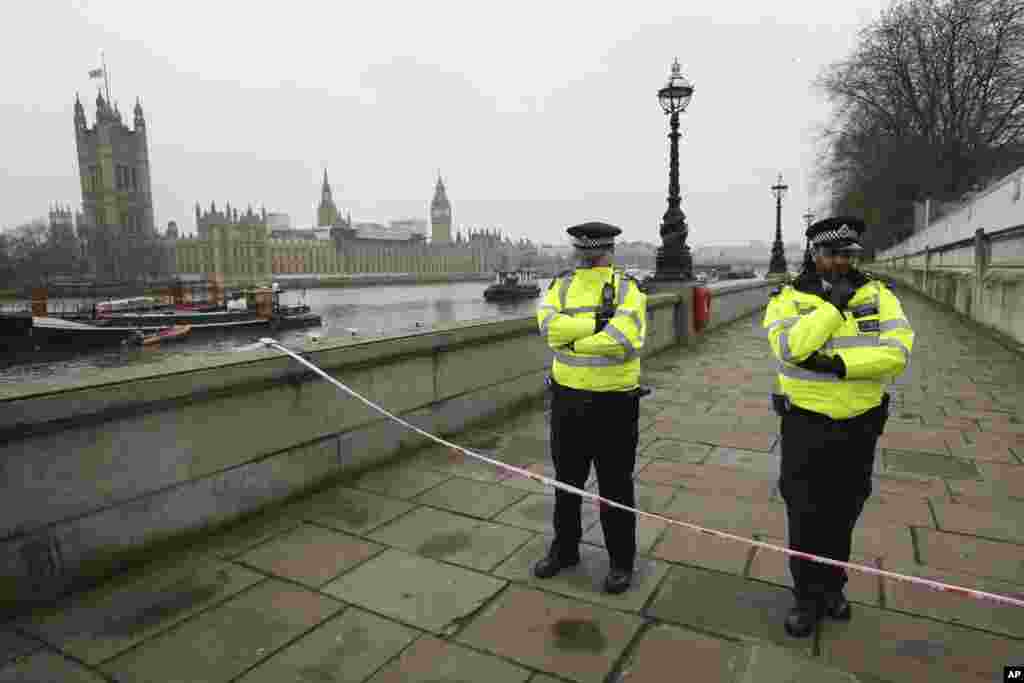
539 115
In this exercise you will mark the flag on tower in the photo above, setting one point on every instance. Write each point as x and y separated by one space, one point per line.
96 73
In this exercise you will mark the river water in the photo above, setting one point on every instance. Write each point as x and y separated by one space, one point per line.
352 312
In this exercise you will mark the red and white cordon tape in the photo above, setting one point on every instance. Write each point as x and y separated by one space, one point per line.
927 583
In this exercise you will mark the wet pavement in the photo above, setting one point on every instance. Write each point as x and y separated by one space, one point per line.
419 570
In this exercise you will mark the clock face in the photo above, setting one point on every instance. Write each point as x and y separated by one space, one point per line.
441 213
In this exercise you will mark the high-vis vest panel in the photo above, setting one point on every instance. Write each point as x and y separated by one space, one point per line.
872 336
608 360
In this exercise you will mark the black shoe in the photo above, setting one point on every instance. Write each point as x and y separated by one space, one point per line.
617 581
551 564
801 620
837 607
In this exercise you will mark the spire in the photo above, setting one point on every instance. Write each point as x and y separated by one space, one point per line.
140 121
326 186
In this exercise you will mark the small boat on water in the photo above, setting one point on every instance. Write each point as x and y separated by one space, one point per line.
512 285
167 334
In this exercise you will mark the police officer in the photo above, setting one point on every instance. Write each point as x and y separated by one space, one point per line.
594 319
839 336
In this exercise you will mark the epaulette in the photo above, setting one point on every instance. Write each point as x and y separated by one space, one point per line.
560 276
776 291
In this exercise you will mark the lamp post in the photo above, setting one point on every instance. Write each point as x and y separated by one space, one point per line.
673 261
777 265
808 218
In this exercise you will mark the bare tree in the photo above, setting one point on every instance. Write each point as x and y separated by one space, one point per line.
930 103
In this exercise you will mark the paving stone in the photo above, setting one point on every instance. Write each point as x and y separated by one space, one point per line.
773 567
957 609
687 546
908 485
980 453
891 543
883 508
925 442
740 437
227 640
931 465
351 510
401 480
345 649
982 494
708 479
585 580
763 463
648 531
726 604
453 538
898 647
454 462
729 514
769 663
47 667
971 555
568 638
415 590
678 451
471 497
663 647
520 450
1005 523
135 606
15 646
430 660
537 512
992 441
310 555
1010 475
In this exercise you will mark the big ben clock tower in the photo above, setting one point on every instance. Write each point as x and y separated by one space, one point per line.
440 216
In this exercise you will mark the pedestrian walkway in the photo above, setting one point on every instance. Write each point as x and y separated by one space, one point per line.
419 570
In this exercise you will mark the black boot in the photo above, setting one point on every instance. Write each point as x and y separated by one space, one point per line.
554 562
836 606
801 620
617 581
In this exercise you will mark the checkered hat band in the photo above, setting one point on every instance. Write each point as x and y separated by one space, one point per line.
843 232
592 242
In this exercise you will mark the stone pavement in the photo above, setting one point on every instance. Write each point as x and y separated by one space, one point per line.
419 570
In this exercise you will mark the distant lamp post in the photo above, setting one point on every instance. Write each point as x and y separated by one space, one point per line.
673 261
808 218
777 265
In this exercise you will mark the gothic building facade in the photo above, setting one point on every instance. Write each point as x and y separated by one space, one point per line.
116 225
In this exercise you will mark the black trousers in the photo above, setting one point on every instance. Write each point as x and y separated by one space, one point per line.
598 427
825 481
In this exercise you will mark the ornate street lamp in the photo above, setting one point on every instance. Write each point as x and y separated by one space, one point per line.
808 218
777 265
673 261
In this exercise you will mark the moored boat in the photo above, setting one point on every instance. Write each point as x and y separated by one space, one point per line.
167 334
511 285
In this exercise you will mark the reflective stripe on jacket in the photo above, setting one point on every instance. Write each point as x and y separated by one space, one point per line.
872 336
608 360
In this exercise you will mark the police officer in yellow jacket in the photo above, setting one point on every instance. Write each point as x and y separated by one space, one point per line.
594 319
839 337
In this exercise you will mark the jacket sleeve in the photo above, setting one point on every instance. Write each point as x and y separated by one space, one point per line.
556 328
794 337
624 334
890 356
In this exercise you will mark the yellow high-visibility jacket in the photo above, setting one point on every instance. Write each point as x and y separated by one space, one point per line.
608 360
872 336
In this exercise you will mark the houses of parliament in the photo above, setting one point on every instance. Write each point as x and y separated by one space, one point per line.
118 236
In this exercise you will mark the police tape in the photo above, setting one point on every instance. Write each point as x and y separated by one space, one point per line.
927 583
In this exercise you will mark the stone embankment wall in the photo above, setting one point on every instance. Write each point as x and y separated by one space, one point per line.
96 473
972 260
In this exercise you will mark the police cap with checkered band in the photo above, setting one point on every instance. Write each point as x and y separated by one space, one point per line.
842 233
593 235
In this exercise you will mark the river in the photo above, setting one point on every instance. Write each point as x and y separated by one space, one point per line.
352 312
